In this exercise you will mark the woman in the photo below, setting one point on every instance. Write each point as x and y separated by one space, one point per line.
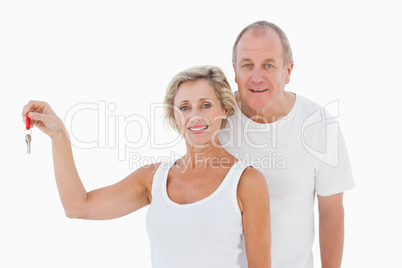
200 205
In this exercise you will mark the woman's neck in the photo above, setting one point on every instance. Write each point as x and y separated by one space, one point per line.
207 156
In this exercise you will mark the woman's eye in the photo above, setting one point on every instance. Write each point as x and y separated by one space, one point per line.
183 108
207 105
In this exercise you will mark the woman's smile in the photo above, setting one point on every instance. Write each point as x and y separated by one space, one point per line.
198 129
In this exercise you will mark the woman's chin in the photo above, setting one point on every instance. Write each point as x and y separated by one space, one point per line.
198 142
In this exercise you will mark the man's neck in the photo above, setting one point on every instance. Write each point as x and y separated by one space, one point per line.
279 109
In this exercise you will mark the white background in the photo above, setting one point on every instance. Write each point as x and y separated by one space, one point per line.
125 52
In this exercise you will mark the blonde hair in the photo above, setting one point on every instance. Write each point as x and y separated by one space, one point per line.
215 77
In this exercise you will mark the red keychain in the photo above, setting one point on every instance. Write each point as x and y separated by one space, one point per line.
27 121
28 132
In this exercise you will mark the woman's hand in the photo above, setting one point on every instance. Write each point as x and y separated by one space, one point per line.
43 117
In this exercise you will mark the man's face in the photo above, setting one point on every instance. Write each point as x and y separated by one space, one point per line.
259 70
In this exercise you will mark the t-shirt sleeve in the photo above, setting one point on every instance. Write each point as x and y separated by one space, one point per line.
334 173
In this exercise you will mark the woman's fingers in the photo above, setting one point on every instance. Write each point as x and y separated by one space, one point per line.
42 116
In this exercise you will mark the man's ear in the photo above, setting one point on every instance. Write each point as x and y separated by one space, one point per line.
234 68
289 72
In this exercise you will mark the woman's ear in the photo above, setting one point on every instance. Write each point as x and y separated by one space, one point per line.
226 114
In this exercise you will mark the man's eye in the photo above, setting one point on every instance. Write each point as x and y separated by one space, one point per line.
183 108
268 65
247 65
207 105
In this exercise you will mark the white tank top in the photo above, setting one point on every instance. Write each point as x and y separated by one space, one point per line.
206 233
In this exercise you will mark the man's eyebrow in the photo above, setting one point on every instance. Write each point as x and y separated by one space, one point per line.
249 60
245 60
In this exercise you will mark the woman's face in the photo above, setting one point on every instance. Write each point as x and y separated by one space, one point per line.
198 113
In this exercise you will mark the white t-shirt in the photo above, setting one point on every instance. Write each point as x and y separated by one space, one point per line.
206 233
301 155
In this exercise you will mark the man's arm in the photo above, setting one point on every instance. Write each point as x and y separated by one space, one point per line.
331 217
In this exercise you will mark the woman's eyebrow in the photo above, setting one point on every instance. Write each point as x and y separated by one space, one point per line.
180 102
204 99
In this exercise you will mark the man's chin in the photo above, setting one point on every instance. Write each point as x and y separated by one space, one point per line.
258 106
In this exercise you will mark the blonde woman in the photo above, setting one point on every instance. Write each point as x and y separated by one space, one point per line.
203 206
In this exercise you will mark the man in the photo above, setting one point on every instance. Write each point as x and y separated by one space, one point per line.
295 143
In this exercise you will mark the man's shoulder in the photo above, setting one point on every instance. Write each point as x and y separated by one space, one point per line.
308 105
311 109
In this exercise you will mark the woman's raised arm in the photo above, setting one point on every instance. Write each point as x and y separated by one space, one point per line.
122 198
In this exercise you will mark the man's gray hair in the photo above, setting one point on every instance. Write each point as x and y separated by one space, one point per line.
261 25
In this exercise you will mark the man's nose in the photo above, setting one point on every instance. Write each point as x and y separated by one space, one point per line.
257 75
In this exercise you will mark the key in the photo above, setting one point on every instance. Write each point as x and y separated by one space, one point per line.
28 139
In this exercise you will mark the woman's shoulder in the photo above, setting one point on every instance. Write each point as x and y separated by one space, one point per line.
252 180
252 188
252 175
150 167
145 173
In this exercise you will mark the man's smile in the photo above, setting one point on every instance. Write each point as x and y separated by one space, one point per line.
258 90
